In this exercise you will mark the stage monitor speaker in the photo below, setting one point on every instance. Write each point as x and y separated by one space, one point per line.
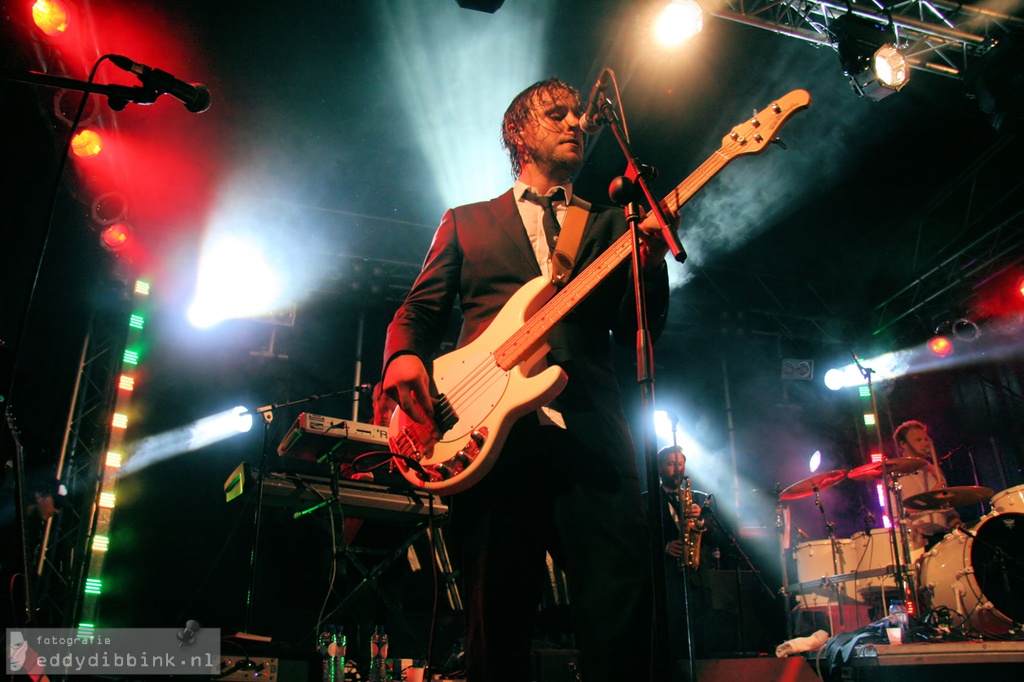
793 669
556 665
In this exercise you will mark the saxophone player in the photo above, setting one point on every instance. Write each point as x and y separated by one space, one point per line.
678 522
683 524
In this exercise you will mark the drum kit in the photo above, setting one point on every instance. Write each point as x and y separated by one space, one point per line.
972 579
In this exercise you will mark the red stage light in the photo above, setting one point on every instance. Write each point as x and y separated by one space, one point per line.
1020 287
86 143
51 16
115 237
940 346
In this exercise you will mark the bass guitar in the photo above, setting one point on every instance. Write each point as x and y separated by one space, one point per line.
486 385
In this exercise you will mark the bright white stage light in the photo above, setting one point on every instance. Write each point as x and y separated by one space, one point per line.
815 461
234 281
196 435
680 20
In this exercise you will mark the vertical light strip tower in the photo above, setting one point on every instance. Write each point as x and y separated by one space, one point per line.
69 571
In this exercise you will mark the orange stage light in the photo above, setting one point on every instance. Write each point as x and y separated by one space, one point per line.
51 16
940 346
115 237
86 143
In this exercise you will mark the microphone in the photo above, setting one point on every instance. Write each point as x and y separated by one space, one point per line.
707 503
592 119
195 96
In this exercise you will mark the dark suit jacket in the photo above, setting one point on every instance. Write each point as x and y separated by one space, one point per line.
481 255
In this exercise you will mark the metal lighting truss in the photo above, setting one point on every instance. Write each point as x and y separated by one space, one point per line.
935 35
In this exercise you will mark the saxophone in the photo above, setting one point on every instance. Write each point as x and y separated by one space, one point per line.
689 533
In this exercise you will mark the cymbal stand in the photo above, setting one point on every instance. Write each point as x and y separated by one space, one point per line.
900 543
781 524
831 528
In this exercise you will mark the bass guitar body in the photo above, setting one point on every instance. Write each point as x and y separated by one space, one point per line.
478 401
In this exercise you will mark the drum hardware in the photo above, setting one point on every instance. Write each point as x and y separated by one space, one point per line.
893 470
946 498
813 486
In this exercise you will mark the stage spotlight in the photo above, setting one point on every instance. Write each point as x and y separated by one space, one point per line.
940 346
236 279
199 434
489 6
870 56
51 16
1020 287
86 143
965 330
116 237
109 208
815 461
680 20
65 107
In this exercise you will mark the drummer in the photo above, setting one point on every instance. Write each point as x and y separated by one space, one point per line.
912 440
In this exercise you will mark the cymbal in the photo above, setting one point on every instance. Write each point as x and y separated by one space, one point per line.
811 485
944 498
900 466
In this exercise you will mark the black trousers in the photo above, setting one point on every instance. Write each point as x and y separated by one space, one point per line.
546 493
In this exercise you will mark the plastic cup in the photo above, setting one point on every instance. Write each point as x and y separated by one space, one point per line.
895 636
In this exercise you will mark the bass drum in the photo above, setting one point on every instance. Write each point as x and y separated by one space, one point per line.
979 574
1009 500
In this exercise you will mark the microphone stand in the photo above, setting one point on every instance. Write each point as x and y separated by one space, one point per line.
621 192
118 96
268 418
734 545
899 543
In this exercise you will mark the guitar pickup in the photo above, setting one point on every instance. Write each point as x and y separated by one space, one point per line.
444 414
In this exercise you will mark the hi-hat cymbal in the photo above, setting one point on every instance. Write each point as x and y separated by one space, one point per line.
944 498
899 466
811 485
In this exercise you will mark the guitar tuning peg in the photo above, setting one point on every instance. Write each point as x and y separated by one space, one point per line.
778 141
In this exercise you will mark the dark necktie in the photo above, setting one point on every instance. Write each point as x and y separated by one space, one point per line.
550 221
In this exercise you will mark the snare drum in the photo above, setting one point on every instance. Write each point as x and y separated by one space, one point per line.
1009 500
977 573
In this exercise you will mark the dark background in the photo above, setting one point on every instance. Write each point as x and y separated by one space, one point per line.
879 222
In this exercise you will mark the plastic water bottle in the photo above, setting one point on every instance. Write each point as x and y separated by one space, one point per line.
898 615
332 649
378 655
